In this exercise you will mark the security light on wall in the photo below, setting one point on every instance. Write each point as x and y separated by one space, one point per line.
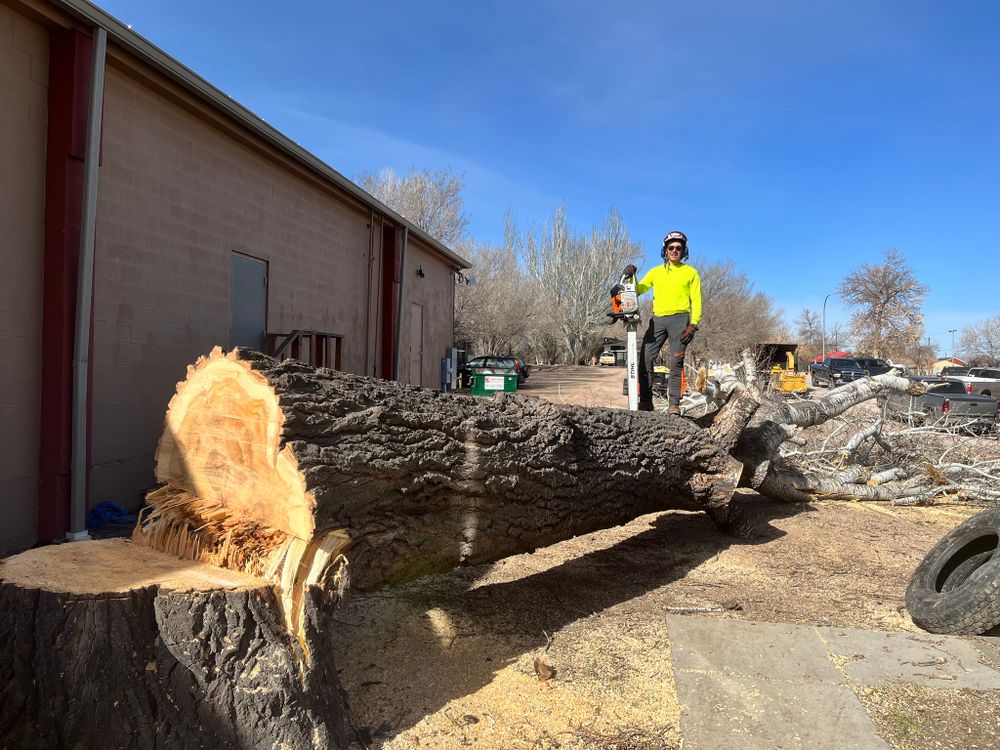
420 272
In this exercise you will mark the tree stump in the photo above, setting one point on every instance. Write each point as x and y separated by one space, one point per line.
111 645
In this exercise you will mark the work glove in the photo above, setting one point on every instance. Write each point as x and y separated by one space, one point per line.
630 270
615 290
688 334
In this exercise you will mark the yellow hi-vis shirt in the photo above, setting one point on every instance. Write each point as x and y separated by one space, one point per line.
676 289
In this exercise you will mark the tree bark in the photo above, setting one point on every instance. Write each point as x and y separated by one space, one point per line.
110 645
410 481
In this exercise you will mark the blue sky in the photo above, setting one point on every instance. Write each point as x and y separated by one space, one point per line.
797 138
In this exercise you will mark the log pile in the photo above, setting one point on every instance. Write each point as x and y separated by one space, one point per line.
285 483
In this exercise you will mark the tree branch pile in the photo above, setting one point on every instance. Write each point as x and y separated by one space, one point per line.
861 453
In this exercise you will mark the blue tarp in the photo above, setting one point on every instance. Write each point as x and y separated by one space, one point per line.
110 512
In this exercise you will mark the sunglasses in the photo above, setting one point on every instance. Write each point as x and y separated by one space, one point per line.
677 248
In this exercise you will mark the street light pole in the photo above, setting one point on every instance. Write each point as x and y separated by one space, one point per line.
952 332
823 353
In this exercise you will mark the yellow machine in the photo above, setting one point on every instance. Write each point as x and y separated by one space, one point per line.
779 360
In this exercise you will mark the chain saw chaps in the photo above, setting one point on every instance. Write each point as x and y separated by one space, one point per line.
625 307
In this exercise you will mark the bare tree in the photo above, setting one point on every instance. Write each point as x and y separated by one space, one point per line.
836 337
887 299
809 329
735 316
431 200
489 309
572 273
922 355
981 342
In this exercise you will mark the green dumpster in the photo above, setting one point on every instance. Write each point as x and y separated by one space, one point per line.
485 384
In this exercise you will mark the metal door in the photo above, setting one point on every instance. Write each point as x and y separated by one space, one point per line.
416 343
247 302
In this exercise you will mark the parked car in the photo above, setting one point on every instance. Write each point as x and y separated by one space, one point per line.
491 365
984 381
524 372
873 365
835 371
945 403
488 365
955 370
607 358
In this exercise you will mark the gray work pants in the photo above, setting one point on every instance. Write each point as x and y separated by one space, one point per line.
661 328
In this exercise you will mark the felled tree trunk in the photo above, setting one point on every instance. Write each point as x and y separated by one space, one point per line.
111 645
270 465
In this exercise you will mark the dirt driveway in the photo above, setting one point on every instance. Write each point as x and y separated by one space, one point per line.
450 661
587 386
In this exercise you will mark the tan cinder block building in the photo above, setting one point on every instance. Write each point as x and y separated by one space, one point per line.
210 229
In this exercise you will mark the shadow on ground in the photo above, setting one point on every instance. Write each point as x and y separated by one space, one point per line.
408 652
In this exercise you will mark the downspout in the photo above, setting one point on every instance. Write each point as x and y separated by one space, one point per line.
399 310
368 294
85 292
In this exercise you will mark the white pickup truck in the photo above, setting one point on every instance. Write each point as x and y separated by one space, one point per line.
982 381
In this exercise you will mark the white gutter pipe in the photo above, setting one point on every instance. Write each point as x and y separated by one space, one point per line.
85 293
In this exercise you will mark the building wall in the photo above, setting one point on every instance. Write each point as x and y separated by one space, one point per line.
435 293
24 65
178 195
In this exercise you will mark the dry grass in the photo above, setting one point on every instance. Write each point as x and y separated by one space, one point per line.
910 717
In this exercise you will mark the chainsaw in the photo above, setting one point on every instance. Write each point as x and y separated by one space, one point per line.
625 307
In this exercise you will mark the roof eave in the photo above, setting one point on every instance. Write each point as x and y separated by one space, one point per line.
145 50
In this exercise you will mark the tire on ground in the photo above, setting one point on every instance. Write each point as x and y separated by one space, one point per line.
956 588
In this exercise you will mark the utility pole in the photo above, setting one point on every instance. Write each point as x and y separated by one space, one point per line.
952 332
822 353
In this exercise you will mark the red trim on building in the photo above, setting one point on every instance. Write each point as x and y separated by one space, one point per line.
392 273
69 91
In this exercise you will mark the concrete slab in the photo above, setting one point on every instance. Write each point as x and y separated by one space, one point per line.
879 658
989 650
762 685
725 711
756 649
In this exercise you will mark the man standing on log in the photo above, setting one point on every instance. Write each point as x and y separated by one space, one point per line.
676 311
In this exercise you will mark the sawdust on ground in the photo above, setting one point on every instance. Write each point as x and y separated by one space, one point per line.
457 660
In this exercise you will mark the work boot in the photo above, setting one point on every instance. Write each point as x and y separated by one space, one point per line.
645 405
674 409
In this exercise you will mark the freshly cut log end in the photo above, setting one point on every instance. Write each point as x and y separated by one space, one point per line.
269 456
232 494
190 528
107 644
222 442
